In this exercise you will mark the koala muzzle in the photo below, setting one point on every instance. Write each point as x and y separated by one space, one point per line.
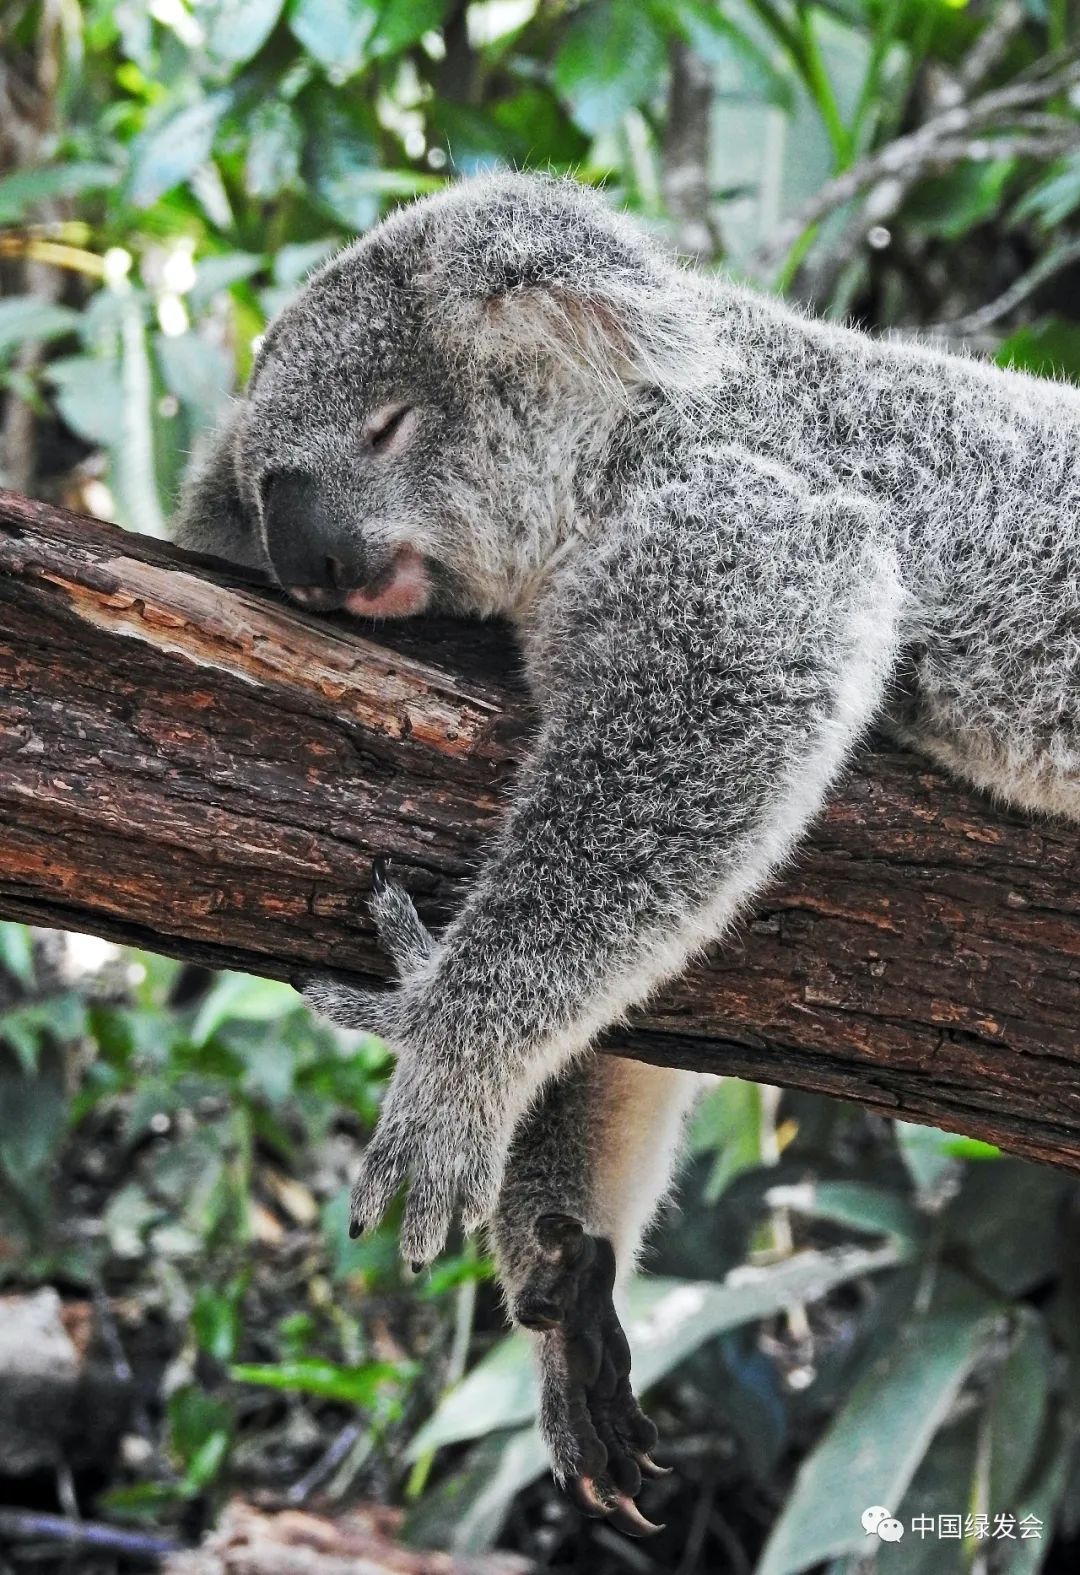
312 555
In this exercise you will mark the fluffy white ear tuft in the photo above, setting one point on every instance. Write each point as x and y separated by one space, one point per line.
526 267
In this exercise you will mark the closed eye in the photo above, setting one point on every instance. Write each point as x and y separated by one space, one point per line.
386 424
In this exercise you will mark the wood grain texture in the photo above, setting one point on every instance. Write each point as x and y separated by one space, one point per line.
188 764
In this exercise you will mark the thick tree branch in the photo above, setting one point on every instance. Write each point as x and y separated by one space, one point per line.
188 764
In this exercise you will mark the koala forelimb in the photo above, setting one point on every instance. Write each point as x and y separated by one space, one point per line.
730 539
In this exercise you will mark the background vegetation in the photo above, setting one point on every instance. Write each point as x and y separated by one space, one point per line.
174 1148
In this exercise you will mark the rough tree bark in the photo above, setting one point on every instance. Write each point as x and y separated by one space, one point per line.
188 764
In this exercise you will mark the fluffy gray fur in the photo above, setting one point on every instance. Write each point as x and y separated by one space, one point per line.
730 538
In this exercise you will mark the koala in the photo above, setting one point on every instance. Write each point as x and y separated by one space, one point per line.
729 539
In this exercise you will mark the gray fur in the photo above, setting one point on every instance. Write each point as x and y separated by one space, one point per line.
731 538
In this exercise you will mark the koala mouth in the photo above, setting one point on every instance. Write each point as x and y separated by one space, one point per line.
399 590
404 589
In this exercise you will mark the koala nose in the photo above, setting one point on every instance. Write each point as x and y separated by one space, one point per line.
310 554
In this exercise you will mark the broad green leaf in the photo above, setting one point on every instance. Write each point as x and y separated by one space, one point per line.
611 61
21 192
741 65
33 1121
215 1319
728 1121
1005 1221
200 1428
944 1484
669 1319
244 996
17 952
855 1204
871 1450
341 153
173 148
1048 349
336 32
955 203
214 274
275 146
358 1386
237 29
26 320
402 22
1054 199
1017 1410
292 264
928 1155
90 398
198 372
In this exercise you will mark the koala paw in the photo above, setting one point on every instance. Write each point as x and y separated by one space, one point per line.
599 1437
367 1010
449 1146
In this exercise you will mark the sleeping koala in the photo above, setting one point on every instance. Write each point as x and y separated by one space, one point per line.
730 539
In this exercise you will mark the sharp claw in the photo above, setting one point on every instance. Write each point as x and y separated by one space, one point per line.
356 1230
379 878
581 1491
626 1516
649 1468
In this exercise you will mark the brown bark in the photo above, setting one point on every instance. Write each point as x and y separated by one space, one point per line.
190 765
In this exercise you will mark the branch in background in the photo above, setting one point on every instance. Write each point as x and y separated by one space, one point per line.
685 167
979 129
1051 263
187 764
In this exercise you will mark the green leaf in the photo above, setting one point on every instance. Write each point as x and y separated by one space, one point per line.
23 191
855 1204
89 397
341 154
741 66
952 204
275 146
1048 349
1054 199
215 1319
26 320
669 1319
1017 1410
928 1155
33 1122
871 1450
360 1386
944 1484
611 60
172 149
335 32
237 29
17 952
729 1121
243 996
402 22
198 372
200 1431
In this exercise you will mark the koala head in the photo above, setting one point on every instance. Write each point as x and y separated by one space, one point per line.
419 420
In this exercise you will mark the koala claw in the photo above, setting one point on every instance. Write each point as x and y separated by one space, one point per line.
597 1433
451 1162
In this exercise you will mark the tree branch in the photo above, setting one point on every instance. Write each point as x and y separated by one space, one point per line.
189 765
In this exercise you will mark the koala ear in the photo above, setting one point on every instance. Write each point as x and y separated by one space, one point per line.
525 266
211 516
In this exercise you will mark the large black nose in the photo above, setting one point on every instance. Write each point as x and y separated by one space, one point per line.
311 554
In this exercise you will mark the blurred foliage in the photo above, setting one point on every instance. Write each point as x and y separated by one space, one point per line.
845 1311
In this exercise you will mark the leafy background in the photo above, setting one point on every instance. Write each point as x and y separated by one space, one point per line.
844 1310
